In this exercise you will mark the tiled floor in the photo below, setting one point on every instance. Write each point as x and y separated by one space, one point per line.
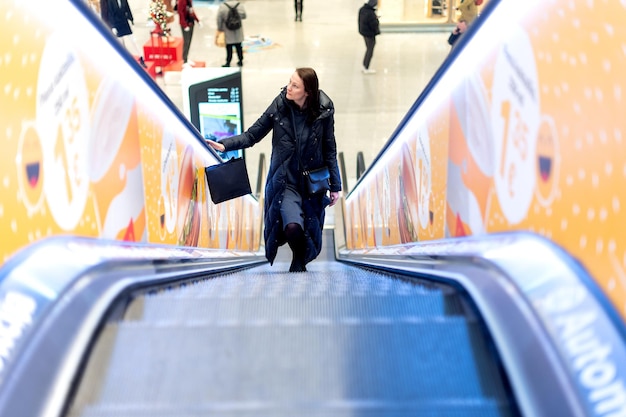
368 107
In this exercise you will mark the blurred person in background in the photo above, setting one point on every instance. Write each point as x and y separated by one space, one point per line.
232 37
298 6
369 28
187 19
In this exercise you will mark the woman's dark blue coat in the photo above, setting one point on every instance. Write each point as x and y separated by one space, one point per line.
317 149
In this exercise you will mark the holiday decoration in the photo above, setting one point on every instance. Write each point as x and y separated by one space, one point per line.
159 15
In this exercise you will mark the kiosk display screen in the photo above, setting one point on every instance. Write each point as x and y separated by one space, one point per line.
216 109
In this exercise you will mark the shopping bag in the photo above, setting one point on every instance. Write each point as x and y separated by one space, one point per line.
220 39
228 180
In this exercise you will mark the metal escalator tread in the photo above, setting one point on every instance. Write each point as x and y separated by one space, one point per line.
337 340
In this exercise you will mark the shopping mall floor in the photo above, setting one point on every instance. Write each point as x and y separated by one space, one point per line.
368 108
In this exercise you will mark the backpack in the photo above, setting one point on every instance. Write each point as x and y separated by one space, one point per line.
233 20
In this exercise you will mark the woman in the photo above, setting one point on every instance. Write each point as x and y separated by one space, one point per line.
187 19
303 138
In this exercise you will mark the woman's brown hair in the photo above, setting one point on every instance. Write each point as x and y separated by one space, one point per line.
312 88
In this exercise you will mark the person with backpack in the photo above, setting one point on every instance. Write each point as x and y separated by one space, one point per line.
229 20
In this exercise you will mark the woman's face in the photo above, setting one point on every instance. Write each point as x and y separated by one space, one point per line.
295 90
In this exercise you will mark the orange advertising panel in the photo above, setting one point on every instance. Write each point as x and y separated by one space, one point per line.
531 112
70 155
550 158
402 200
90 149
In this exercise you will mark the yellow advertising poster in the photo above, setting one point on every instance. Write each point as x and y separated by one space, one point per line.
525 131
70 162
86 151
537 132
171 184
422 180
405 200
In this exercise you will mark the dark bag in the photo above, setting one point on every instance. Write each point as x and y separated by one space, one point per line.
453 37
317 180
228 180
233 20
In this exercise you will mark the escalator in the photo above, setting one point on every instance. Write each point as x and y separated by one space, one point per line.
337 340
92 324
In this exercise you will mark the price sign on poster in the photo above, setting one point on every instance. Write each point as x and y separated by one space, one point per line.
515 115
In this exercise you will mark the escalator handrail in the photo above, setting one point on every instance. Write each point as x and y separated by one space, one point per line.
535 300
54 295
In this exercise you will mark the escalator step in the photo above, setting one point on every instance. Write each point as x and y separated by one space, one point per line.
402 362
334 341
253 295
166 309
363 409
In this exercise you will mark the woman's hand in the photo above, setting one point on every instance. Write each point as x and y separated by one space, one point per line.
334 197
216 145
461 27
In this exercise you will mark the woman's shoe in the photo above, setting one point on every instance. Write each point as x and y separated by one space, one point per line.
297 266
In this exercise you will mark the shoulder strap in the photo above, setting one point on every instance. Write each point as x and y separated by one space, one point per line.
295 133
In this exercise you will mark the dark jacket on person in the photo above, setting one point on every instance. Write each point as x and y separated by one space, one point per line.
316 150
116 16
369 26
